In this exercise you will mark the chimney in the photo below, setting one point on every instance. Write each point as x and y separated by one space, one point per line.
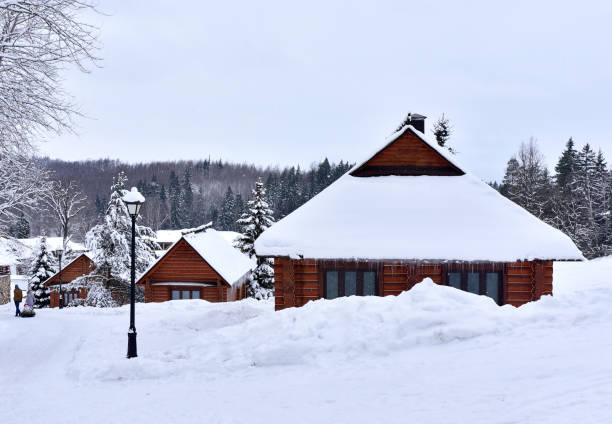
417 121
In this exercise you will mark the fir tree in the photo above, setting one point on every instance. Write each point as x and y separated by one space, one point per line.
565 168
174 194
442 131
186 201
42 269
110 242
226 214
254 221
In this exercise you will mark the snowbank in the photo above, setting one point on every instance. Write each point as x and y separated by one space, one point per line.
433 354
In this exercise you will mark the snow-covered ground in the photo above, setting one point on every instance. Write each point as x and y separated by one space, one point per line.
431 355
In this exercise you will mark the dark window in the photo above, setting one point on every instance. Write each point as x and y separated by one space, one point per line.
492 288
331 286
473 282
350 283
369 283
454 280
488 283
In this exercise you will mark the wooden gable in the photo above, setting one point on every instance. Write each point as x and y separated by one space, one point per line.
408 154
82 265
182 263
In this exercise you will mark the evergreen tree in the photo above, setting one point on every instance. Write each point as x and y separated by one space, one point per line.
186 202
174 195
239 209
226 218
565 168
442 131
42 269
254 221
110 243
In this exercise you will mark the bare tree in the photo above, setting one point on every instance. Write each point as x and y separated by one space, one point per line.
66 201
22 184
38 38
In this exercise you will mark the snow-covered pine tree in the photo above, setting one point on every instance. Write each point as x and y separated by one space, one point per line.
186 200
42 269
174 197
254 221
601 207
566 167
226 214
110 243
442 131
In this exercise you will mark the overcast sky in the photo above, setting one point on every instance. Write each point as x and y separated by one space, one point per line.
290 83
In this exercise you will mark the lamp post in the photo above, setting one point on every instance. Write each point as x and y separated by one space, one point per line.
133 201
59 251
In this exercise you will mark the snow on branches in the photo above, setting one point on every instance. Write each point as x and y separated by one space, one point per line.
110 241
254 221
42 269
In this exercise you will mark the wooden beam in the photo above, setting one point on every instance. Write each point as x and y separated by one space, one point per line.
539 279
288 283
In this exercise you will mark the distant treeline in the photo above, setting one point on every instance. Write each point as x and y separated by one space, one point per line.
576 199
184 194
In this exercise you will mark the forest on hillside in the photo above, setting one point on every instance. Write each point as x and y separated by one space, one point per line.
180 194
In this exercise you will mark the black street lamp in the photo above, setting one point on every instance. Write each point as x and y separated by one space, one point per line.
59 251
133 201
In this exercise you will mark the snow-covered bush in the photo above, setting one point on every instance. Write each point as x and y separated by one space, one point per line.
99 297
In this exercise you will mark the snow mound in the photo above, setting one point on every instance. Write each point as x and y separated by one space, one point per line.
184 339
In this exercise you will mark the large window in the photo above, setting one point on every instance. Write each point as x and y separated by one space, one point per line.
350 283
185 294
484 282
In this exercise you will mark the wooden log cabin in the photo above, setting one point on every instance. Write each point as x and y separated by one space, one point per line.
407 212
200 265
80 266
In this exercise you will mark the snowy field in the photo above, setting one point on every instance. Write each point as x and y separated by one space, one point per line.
431 355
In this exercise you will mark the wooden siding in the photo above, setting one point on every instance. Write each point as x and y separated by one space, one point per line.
54 296
408 155
303 279
79 267
184 265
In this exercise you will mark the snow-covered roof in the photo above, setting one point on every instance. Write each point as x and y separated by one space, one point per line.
53 243
86 254
168 236
425 217
216 248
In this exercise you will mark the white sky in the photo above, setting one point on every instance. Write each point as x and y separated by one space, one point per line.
287 83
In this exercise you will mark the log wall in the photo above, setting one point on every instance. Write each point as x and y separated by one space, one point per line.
183 264
77 268
297 282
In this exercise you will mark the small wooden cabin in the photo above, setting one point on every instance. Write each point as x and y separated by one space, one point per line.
407 212
200 265
78 267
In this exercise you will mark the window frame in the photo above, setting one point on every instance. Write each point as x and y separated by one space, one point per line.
182 290
482 270
342 270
